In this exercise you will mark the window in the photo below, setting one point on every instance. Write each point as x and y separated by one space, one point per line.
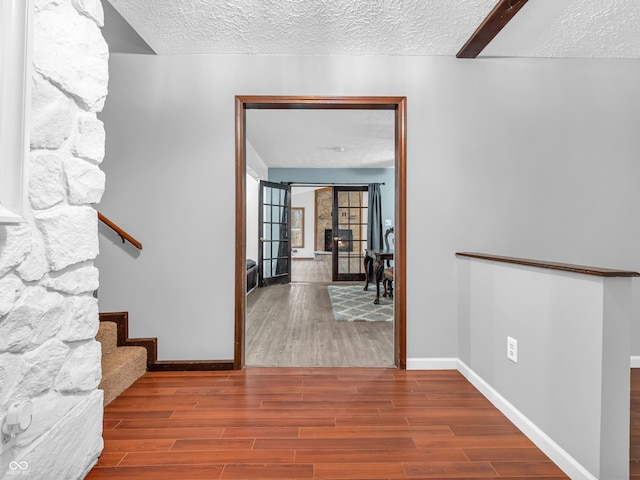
297 227
15 80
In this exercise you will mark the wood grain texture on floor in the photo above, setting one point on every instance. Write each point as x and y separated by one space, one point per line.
316 423
293 325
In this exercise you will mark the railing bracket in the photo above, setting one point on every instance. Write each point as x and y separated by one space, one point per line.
123 235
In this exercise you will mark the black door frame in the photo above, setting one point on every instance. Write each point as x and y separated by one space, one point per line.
278 278
399 105
336 276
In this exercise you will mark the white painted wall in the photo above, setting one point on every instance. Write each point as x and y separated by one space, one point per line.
305 198
572 376
256 171
48 315
253 197
524 157
255 165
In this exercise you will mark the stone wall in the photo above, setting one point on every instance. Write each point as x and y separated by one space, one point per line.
324 214
48 315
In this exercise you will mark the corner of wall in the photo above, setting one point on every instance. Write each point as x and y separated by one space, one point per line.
556 453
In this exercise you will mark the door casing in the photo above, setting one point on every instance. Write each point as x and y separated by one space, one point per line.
399 105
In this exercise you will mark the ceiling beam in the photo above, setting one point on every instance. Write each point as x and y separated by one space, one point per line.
501 14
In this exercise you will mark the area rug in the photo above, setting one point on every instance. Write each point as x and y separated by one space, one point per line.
352 304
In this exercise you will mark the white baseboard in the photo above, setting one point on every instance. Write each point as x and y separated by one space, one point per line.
635 361
557 454
432 363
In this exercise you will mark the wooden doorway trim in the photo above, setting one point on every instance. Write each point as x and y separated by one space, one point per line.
399 105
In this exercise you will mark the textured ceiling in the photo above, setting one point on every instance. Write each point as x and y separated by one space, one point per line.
572 29
548 28
378 27
323 138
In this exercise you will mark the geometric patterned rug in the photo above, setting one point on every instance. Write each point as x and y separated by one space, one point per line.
352 303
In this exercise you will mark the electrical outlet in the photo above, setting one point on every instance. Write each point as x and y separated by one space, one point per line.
512 349
6 442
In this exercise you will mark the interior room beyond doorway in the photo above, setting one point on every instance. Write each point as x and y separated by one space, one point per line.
246 149
299 323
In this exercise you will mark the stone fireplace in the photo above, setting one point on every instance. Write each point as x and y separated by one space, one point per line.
324 207
344 244
324 221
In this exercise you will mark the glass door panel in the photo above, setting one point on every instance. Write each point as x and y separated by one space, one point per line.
349 232
275 254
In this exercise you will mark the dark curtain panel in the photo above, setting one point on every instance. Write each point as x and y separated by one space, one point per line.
374 221
283 246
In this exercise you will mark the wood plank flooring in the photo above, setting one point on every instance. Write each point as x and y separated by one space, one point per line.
309 270
320 423
293 326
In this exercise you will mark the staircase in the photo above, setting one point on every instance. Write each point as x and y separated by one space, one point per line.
121 365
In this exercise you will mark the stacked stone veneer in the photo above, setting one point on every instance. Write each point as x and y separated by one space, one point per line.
324 212
48 315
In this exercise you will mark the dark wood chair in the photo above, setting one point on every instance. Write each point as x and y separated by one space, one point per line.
387 275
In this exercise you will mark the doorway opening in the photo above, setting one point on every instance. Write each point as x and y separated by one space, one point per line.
350 260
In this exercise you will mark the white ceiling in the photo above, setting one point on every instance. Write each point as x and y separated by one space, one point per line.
323 138
543 28
287 138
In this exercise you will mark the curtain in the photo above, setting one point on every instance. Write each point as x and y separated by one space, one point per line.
282 266
374 220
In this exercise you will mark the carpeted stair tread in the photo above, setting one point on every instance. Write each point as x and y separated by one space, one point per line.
108 337
120 368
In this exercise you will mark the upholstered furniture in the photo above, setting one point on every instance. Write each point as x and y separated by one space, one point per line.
252 275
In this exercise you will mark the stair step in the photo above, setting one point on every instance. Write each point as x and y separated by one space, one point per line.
108 337
120 368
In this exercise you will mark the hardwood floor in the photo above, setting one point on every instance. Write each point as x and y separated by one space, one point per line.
293 326
320 423
308 270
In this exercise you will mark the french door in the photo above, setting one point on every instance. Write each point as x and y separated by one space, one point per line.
350 214
274 256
